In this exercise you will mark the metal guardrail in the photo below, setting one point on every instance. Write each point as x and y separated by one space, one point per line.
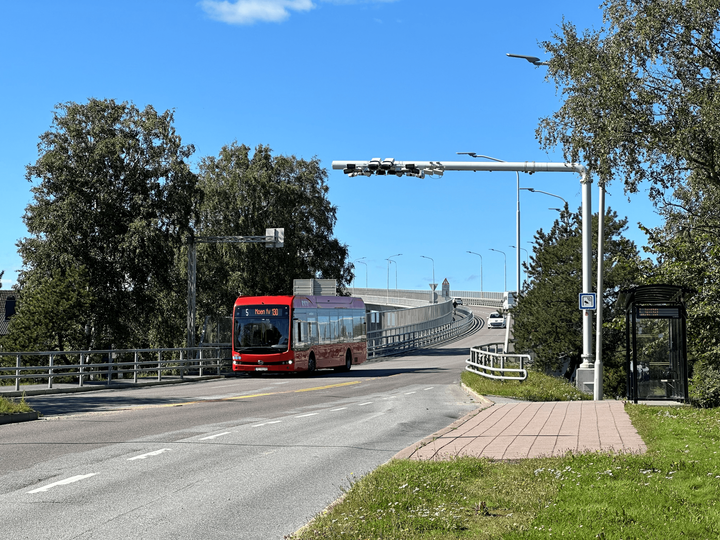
121 364
487 363
394 340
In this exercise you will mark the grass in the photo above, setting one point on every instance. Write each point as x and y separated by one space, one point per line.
9 406
537 387
671 492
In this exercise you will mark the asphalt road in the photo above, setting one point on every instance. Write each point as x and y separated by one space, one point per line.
227 458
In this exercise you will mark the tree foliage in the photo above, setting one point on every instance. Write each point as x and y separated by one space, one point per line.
52 315
113 201
688 254
642 94
547 319
245 194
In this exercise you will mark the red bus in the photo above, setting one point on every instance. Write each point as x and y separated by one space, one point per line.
298 333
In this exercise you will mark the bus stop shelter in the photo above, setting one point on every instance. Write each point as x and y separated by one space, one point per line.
656 344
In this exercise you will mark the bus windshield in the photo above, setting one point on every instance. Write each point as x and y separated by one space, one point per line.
261 329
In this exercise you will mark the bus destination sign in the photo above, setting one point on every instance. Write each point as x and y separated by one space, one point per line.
263 311
657 312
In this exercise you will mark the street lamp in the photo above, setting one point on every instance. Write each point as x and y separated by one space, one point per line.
389 260
433 284
587 324
533 190
517 222
491 249
532 59
360 260
481 284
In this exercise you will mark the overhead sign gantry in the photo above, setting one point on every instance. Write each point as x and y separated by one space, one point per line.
420 169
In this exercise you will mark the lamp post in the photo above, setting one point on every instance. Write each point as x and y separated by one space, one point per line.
360 260
497 250
587 323
481 280
389 260
433 284
517 220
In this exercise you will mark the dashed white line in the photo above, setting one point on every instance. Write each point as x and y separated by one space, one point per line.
149 454
305 415
408 393
366 403
63 482
338 409
429 388
267 423
215 436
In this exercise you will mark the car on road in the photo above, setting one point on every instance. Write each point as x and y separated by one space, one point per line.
495 320
458 301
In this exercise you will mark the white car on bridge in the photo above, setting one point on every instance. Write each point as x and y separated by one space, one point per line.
495 320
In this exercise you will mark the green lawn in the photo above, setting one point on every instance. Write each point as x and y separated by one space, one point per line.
670 492
537 387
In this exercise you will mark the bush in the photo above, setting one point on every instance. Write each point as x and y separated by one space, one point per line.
705 386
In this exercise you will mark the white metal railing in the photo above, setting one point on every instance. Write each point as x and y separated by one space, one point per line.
121 364
489 363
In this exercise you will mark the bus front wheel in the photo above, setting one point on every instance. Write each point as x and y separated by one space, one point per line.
311 364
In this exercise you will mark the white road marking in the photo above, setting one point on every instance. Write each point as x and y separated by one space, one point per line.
215 436
63 482
430 388
408 393
338 409
304 415
267 423
366 403
149 454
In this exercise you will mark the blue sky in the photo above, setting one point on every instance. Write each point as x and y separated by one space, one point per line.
336 79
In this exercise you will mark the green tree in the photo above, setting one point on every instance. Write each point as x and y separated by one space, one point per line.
688 254
641 95
243 195
114 197
53 314
547 319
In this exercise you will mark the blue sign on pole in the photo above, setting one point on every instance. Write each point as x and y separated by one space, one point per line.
587 300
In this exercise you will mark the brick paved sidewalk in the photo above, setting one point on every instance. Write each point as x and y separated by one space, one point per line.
533 429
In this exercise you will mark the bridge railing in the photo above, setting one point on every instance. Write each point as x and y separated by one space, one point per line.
118 364
492 362
393 340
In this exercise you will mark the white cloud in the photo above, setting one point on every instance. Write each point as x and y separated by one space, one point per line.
251 11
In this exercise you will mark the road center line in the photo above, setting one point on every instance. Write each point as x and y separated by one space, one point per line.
309 414
63 482
215 436
366 403
338 409
408 393
149 454
267 423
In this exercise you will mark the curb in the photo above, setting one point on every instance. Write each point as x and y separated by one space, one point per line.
410 450
18 417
